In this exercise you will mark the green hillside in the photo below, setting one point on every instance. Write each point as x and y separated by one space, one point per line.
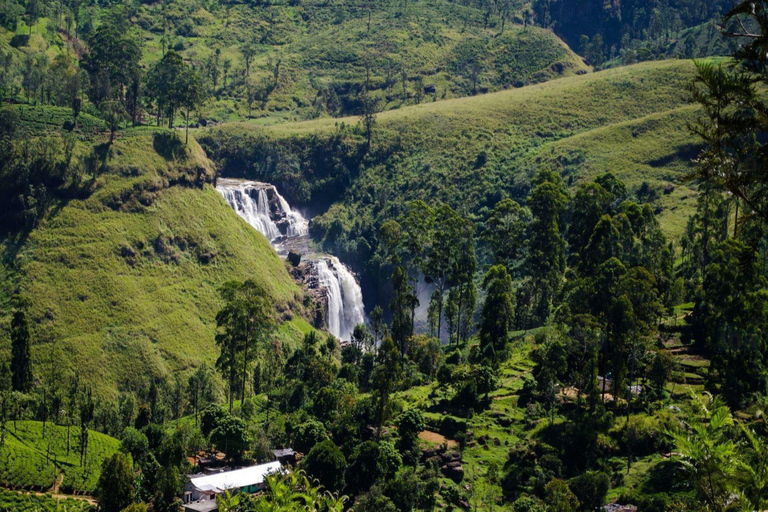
471 152
292 60
124 285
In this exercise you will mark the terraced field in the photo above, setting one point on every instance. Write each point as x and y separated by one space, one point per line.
30 460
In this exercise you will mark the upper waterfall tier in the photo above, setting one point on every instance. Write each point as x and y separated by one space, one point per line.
263 208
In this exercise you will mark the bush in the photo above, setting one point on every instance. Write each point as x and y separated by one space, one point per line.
308 434
20 40
326 463
643 435
590 488
528 504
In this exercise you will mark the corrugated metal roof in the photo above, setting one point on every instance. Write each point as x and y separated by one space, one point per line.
236 479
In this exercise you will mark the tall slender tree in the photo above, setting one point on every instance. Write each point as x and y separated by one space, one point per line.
21 357
244 322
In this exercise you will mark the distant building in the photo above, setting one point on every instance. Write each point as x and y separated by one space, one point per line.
605 385
286 456
201 489
615 507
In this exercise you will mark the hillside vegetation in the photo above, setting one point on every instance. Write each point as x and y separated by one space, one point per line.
124 284
286 60
35 459
472 152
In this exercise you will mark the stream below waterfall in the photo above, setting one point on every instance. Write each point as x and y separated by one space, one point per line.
262 206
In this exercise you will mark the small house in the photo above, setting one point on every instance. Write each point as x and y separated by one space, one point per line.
286 456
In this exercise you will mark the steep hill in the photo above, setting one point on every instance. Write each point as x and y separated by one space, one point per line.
472 151
124 285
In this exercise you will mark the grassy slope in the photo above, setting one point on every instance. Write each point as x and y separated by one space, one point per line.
131 293
630 121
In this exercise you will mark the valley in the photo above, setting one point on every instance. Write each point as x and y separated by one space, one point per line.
392 256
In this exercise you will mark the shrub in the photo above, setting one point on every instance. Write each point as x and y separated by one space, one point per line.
326 463
590 488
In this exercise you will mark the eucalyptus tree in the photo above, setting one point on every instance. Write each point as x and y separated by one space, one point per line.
243 324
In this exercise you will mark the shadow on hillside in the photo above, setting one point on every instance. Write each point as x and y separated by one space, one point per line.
169 145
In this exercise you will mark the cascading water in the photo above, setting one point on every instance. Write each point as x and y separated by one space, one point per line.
345 299
269 213
251 201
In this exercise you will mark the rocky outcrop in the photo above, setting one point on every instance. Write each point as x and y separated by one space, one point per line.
450 462
305 274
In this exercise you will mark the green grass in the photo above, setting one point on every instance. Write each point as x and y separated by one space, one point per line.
124 285
23 502
33 461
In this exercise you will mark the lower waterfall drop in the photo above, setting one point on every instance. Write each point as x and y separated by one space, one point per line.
345 298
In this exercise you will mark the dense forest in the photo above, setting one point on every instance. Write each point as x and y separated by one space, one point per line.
556 235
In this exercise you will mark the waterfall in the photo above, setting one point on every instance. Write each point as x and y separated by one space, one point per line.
345 298
254 211
269 213
251 200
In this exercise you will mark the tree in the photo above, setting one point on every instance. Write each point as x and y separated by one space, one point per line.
369 107
403 302
505 232
706 452
6 391
193 96
370 462
546 257
113 112
173 84
116 488
308 434
385 378
498 310
21 358
249 51
590 488
231 436
243 323
409 425
168 487
134 443
202 388
327 464
559 497
112 60
86 406
377 324
291 492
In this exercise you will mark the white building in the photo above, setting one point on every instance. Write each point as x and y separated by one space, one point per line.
201 489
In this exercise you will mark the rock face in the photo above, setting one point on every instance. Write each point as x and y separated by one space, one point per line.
448 460
305 274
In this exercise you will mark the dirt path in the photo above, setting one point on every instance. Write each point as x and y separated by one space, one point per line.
89 499
57 483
